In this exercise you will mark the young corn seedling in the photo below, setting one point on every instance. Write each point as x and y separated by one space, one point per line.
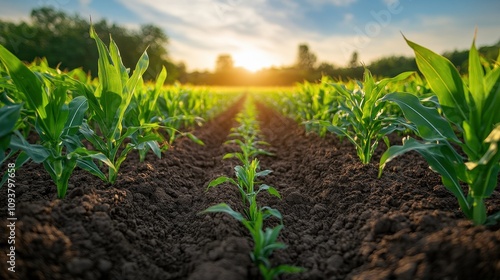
141 113
470 107
245 183
253 217
56 123
247 137
109 103
265 240
361 116
176 107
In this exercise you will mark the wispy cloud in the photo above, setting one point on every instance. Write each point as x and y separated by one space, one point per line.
84 3
390 2
205 29
271 30
338 3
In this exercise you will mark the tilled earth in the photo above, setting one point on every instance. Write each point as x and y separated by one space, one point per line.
341 221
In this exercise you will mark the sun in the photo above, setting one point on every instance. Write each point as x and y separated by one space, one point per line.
251 60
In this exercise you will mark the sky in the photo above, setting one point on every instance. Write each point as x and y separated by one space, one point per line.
265 33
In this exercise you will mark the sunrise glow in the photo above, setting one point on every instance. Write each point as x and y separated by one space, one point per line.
251 59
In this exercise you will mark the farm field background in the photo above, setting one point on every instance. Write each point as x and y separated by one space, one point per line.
119 171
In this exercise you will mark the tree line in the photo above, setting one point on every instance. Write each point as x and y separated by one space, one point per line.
64 41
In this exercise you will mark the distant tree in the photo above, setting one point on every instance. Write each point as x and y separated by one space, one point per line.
354 60
64 40
305 58
326 69
459 59
392 65
224 63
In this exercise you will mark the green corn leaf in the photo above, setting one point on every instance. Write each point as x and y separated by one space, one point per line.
155 148
77 108
271 235
241 174
116 58
221 180
110 86
476 81
270 248
430 124
9 115
263 173
270 190
493 219
492 104
224 208
37 153
444 80
284 269
57 113
84 153
88 165
229 155
194 138
493 139
92 137
26 82
271 212
441 158
21 159
160 80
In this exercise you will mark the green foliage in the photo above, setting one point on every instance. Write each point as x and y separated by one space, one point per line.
247 137
116 114
362 116
109 103
471 109
253 217
9 115
245 183
56 124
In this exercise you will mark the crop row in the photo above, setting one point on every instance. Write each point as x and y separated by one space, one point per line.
92 124
247 137
454 120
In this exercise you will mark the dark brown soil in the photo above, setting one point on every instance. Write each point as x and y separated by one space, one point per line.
341 222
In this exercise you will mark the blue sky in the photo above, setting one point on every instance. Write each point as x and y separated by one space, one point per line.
261 33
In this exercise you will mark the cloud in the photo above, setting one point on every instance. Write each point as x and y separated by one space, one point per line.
200 30
338 3
85 3
348 18
390 2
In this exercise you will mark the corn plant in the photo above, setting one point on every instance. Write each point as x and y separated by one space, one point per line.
176 107
253 217
265 240
9 114
245 183
470 108
57 124
247 137
362 117
142 113
109 103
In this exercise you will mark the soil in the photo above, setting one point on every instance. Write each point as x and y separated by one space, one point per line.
341 221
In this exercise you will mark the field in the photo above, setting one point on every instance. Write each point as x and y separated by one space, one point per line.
117 178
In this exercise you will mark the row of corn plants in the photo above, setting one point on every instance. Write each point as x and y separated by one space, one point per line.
247 181
88 123
454 118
